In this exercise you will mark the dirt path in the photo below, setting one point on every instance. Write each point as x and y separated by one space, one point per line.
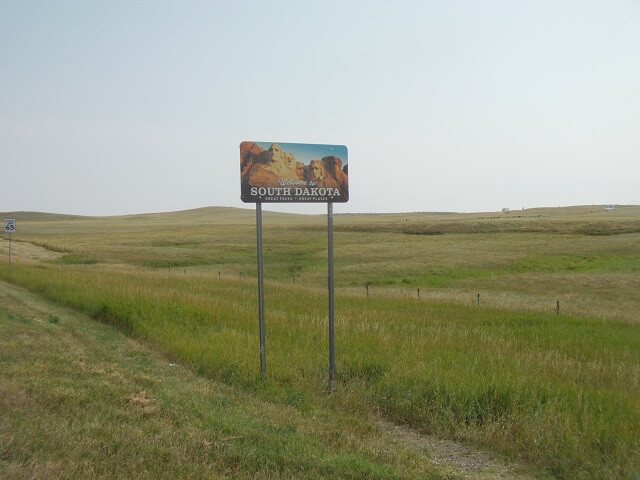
457 459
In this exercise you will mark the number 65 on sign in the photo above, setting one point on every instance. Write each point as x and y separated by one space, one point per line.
9 225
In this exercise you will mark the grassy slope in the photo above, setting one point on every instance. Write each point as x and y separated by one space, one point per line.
80 400
560 393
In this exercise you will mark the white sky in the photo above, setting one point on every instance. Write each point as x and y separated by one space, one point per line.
120 107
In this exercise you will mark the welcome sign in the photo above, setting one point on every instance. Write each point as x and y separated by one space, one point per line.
293 172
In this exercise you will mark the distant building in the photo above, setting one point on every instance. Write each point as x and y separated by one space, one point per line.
505 210
609 207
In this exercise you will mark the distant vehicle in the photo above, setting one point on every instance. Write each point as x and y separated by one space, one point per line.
609 207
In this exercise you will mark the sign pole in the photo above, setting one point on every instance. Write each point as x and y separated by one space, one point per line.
332 353
9 253
263 355
9 228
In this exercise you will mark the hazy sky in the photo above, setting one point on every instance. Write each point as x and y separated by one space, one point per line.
120 107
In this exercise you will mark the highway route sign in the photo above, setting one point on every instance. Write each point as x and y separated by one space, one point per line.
9 225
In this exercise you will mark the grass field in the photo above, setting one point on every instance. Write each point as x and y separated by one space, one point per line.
557 392
78 399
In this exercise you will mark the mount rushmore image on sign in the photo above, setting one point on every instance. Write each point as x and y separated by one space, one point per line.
293 172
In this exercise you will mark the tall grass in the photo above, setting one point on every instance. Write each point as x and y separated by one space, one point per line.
560 393
78 400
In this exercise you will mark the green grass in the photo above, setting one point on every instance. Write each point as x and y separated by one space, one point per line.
558 392
600 262
80 400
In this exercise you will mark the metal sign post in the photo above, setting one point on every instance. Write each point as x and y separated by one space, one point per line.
332 352
263 353
9 227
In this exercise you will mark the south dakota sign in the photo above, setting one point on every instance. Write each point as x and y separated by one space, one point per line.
293 172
